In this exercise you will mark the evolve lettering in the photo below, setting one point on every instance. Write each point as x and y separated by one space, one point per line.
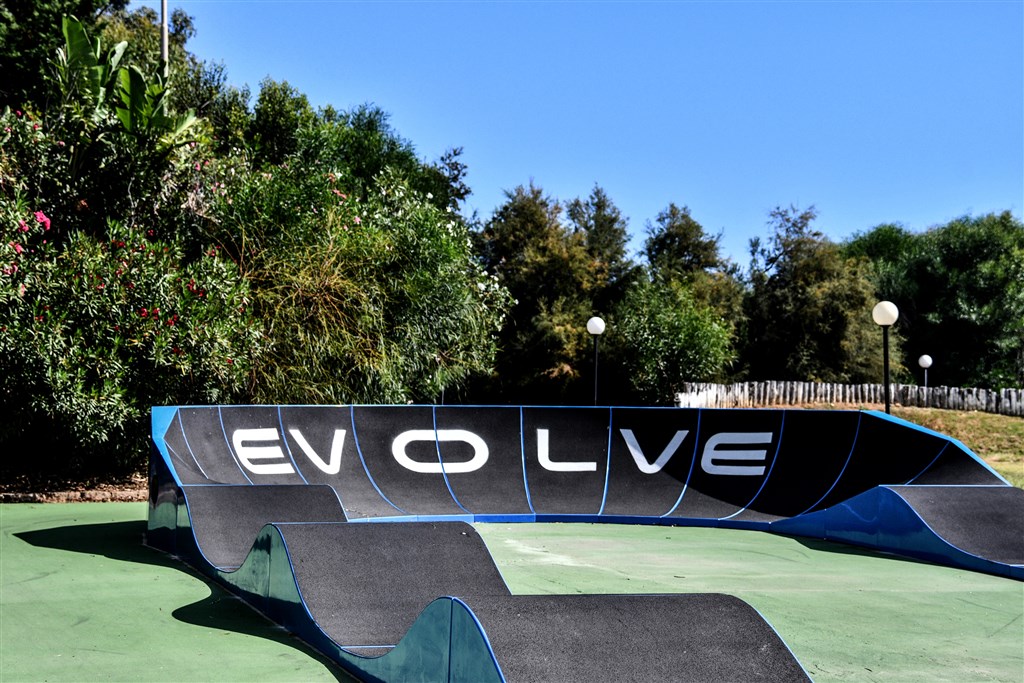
717 458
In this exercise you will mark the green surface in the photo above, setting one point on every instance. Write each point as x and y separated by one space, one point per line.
82 600
847 615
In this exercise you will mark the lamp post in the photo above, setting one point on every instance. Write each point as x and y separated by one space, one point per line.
925 362
595 326
885 314
164 59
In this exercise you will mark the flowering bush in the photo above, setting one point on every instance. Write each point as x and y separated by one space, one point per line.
96 332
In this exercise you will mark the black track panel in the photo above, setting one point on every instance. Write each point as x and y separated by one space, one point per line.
987 521
184 464
955 466
815 446
721 486
650 638
497 487
254 433
417 493
227 519
365 584
323 428
654 432
887 452
205 440
576 437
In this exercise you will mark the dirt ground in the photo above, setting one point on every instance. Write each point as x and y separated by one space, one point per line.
21 489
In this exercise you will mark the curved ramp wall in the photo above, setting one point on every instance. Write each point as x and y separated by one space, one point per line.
221 474
758 469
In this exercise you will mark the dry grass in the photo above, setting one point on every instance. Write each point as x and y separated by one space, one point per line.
999 439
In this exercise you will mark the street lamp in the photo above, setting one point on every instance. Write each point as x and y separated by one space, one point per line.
885 314
925 362
595 326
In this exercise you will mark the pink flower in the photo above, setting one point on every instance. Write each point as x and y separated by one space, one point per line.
17 247
357 220
143 312
23 226
17 113
41 218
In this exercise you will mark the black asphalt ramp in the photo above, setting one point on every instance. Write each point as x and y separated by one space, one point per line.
365 585
973 518
650 638
227 519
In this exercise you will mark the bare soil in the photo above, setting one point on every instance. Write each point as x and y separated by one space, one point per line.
24 489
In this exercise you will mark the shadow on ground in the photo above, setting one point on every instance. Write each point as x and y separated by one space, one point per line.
123 541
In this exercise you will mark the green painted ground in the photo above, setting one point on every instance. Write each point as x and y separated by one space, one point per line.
82 600
847 615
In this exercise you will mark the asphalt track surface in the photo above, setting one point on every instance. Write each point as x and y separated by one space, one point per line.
417 470
82 600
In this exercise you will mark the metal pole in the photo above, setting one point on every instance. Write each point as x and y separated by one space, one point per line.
164 61
595 368
885 363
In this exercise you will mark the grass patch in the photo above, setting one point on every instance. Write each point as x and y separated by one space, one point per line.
998 439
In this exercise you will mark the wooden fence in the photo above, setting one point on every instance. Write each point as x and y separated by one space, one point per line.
763 394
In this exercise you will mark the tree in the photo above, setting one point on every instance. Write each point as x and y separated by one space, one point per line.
808 308
606 235
29 35
678 249
141 29
546 268
381 302
960 291
677 245
279 115
660 337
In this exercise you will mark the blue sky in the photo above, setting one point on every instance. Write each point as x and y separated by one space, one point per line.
874 112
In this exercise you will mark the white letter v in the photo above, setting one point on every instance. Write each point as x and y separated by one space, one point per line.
641 459
333 466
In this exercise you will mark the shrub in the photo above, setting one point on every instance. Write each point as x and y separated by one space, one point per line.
661 337
96 332
376 301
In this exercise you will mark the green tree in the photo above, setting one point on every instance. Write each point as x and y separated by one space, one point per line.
606 236
677 245
141 29
960 291
808 308
382 302
198 85
106 147
29 35
659 337
678 249
97 330
280 114
546 268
